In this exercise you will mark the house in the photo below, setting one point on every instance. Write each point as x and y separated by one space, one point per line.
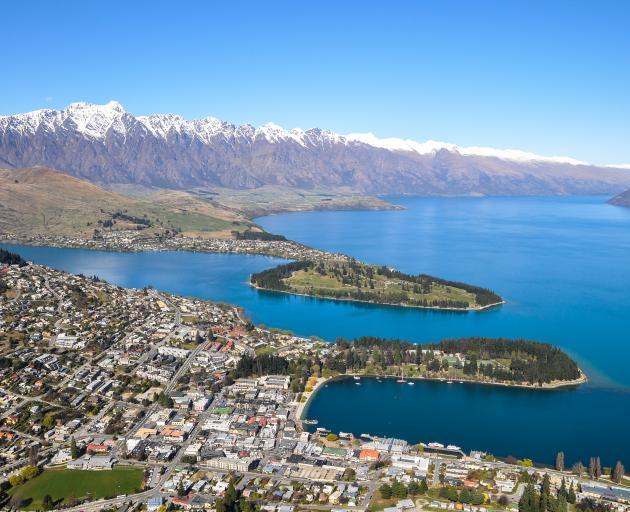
370 455
97 448
61 457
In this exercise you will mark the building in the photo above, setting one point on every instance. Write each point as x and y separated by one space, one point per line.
226 464
277 381
411 463
179 353
92 462
371 455
71 342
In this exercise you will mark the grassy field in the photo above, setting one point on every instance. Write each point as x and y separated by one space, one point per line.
329 284
63 485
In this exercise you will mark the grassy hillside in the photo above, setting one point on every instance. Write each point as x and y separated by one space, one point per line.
42 201
353 280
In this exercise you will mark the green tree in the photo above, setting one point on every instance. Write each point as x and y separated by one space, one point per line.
424 488
74 449
413 488
47 502
48 421
399 490
386 491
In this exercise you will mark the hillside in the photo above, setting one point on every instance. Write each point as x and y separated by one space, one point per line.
622 199
107 145
43 201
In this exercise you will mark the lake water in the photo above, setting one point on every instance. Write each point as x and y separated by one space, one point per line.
562 264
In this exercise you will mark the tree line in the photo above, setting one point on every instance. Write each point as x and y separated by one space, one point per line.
531 361
10 258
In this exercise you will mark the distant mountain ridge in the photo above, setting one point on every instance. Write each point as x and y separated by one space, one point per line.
107 145
622 199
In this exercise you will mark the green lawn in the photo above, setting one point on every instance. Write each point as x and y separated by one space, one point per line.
65 484
311 282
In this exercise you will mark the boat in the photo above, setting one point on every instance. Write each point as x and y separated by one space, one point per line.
461 381
357 383
453 447
321 430
366 436
435 445
356 377
410 383
402 377
449 382
310 422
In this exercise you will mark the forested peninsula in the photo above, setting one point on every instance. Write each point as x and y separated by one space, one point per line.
351 280
498 361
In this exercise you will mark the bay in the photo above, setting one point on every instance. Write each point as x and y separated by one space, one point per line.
562 264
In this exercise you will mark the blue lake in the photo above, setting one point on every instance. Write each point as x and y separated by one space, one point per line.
562 264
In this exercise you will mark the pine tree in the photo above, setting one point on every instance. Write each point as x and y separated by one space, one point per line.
529 501
563 488
591 467
571 498
560 461
598 468
74 450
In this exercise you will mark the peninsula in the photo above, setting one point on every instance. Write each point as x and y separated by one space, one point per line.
350 280
499 361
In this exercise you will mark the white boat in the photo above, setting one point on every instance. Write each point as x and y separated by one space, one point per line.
449 382
453 447
410 383
435 445
356 377
357 383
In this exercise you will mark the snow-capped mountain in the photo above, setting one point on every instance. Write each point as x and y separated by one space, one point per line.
106 144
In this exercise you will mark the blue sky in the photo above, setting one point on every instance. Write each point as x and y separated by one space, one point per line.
552 77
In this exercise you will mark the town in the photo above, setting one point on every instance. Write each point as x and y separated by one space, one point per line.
172 402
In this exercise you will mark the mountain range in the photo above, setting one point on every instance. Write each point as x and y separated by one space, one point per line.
108 146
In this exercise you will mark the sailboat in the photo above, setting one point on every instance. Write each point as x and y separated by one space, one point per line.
402 378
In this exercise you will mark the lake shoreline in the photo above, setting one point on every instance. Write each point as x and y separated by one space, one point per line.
303 407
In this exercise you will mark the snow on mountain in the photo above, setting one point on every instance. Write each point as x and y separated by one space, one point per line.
95 121
432 146
106 144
